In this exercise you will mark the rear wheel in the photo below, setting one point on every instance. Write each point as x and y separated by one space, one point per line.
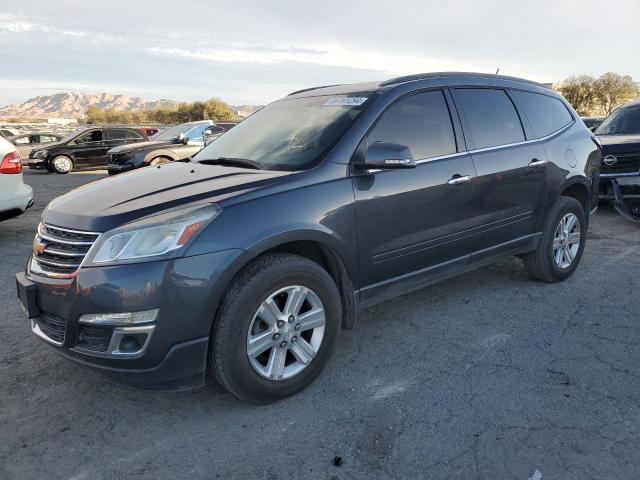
276 328
562 243
61 164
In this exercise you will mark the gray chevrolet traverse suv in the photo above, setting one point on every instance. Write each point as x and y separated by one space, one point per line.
243 263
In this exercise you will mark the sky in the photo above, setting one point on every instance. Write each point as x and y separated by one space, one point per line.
253 52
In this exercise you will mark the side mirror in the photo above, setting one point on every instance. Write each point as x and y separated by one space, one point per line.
207 132
383 155
184 140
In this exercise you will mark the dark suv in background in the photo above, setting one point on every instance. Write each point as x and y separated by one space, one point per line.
175 143
84 149
245 262
619 135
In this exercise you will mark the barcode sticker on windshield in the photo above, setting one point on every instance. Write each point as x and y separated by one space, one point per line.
345 101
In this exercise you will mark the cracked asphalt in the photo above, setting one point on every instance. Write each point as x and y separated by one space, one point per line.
487 376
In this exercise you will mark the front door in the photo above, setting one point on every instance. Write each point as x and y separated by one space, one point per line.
90 149
413 223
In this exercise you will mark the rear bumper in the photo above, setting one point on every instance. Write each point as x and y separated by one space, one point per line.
21 199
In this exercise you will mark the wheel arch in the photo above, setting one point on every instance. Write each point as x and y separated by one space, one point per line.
159 153
319 247
578 188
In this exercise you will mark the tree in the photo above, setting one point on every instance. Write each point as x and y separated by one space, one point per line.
214 109
613 90
581 93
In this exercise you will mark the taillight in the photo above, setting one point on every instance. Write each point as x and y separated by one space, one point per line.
11 163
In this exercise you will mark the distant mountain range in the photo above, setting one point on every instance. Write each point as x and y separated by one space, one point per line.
74 105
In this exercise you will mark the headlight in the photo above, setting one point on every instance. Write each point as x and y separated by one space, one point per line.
40 154
151 237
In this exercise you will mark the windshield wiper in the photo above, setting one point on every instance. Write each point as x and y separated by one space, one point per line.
240 162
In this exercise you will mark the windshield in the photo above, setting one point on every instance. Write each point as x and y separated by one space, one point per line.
291 134
624 121
172 133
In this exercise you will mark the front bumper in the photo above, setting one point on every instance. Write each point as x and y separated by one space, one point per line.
37 163
185 290
114 169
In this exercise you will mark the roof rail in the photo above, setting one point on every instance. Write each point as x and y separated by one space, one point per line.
314 88
425 76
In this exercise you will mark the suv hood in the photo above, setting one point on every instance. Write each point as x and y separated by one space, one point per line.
136 147
619 144
111 202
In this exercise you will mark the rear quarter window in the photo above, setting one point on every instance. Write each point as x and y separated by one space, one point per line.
546 114
491 117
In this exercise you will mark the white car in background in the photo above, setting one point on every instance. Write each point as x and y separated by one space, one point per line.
15 196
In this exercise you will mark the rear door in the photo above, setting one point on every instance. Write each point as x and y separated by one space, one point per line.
121 136
411 222
511 172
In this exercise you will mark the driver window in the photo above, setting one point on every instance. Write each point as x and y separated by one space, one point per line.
92 136
420 122
195 134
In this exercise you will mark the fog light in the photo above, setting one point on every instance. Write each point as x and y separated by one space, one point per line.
127 318
132 343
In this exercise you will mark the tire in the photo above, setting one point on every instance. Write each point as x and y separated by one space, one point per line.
61 164
542 263
239 312
159 161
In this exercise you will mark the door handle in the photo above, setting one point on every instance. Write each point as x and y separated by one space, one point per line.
537 163
458 179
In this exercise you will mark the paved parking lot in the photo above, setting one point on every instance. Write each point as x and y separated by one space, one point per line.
487 376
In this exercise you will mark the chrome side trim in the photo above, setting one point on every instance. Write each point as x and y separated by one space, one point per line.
613 175
481 150
525 142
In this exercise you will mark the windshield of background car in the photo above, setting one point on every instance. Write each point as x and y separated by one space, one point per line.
172 133
290 134
621 122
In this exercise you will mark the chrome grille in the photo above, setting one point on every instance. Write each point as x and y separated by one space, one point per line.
60 251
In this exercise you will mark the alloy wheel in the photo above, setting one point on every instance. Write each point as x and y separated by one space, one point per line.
286 332
566 241
62 164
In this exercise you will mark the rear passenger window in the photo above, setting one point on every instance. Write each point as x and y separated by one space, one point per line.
122 134
546 114
491 117
420 122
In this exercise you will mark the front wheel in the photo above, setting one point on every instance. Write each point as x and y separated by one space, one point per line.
61 164
562 243
276 328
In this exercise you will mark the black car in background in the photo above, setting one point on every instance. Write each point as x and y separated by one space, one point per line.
619 135
84 149
245 262
175 143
